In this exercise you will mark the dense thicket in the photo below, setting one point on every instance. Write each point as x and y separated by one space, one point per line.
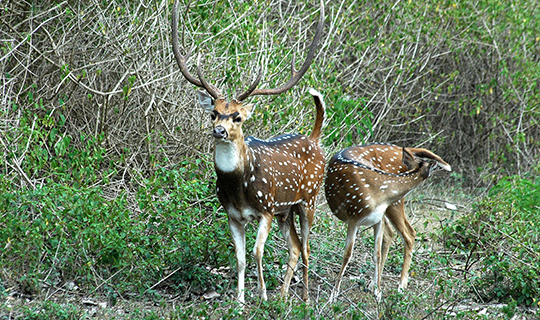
459 78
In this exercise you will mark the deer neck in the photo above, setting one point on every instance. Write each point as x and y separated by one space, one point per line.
230 161
409 181
230 155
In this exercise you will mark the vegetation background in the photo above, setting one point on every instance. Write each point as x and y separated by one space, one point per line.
107 201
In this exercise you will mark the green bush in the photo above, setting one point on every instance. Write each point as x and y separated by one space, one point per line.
354 119
500 241
58 233
106 177
76 226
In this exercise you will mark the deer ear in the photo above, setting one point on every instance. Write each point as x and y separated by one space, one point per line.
248 109
206 101
428 155
408 160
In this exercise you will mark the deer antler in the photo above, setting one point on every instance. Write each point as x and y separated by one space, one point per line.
182 60
295 75
212 90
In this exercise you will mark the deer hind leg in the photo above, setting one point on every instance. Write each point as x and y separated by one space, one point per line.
388 237
375 285
396 215
293 241
265 223
349 246
305 214
238 234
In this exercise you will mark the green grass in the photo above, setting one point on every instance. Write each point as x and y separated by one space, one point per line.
58 233
499 239
169 251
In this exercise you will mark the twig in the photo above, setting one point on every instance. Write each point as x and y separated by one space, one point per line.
18 168
530 250
166 277
109 278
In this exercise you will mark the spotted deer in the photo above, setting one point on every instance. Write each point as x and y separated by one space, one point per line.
259 179
365 186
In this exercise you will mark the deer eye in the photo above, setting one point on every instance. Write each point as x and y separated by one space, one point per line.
237 119
213 116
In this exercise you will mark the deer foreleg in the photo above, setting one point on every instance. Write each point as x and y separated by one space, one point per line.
388 236
238 234
377 259
265 224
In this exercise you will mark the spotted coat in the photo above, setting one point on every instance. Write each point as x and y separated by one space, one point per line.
358 178
279 173
365 186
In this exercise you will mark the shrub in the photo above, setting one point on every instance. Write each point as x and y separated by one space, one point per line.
59 233
83 223
500 240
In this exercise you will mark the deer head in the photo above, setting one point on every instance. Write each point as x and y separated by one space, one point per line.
226 115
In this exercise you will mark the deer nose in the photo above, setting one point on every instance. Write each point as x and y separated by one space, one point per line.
220 132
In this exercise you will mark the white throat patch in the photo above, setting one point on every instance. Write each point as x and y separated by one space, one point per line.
226 156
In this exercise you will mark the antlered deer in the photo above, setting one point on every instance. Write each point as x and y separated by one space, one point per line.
260 179
365 186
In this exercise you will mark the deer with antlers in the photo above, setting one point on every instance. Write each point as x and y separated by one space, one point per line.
259 179
365 186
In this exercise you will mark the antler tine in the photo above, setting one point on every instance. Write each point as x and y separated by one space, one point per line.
182 60
295 75
212 90
253 86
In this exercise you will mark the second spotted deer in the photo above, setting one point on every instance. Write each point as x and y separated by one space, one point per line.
365 186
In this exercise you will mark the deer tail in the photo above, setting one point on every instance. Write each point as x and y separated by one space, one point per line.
319 118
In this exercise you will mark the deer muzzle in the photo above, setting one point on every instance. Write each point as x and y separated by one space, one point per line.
220 132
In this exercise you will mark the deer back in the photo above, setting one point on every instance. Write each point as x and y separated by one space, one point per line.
361 178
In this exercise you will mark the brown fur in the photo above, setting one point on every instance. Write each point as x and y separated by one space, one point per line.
365 185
